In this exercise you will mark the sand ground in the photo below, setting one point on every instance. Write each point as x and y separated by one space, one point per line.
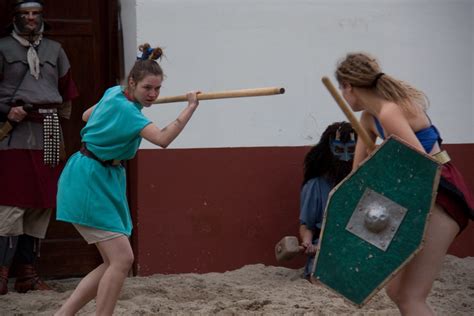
250 290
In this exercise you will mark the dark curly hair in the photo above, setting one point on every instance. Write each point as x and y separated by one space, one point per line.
320 162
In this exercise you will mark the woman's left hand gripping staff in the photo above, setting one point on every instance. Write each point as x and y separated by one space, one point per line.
163 137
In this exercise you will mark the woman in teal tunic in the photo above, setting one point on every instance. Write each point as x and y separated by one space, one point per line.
92 187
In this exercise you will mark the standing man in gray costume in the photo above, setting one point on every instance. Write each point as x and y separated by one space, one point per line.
36 88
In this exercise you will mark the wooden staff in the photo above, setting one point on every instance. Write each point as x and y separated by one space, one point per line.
361 132
225 94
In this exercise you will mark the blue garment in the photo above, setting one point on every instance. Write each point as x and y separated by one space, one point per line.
313 199
91 193
428 136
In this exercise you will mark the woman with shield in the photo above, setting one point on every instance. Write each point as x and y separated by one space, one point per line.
393 107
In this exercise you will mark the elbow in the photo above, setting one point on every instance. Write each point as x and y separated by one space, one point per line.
166 143
159 139
162 143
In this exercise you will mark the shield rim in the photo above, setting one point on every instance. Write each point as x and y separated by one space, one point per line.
434 193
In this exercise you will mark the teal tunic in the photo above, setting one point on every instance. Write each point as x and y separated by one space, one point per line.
89 192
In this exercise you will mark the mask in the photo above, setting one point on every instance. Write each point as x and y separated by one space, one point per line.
343 151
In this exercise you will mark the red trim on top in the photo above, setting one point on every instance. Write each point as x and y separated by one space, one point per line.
128 96
67 87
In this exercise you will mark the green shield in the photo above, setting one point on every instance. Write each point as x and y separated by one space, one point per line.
375 220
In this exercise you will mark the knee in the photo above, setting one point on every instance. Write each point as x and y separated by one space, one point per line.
124 263
128 261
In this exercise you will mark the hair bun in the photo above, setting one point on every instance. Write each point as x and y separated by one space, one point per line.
147 52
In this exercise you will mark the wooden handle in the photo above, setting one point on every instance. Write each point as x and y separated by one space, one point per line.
5 129
225 94
361 132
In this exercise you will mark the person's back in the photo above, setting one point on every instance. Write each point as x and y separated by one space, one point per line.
426 133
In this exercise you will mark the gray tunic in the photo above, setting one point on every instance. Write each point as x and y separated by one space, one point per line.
54 64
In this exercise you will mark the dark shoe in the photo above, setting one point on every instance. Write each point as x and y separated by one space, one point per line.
3 280
27 279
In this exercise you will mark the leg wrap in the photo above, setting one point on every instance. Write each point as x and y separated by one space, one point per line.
27 278
27 249
8 247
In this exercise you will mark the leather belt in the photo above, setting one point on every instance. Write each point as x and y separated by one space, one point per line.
86 152
28 107
49 106
37 115
442 157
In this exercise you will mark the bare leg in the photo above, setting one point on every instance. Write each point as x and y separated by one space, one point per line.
118 252
411 287
85 291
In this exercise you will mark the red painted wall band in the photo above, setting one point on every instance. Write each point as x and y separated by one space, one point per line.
203 210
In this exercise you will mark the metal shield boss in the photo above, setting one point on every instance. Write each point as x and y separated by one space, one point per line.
375 220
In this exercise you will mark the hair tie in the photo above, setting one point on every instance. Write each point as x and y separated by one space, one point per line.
145 53
377 77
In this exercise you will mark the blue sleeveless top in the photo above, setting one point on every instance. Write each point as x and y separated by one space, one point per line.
428 136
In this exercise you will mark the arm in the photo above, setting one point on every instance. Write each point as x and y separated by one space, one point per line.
361 151
163 137
16 114
7 111
65 109
66 86
311 213
306 236
87 113
4 109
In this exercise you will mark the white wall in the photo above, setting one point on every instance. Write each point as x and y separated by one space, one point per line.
129 30
472 65
216 45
